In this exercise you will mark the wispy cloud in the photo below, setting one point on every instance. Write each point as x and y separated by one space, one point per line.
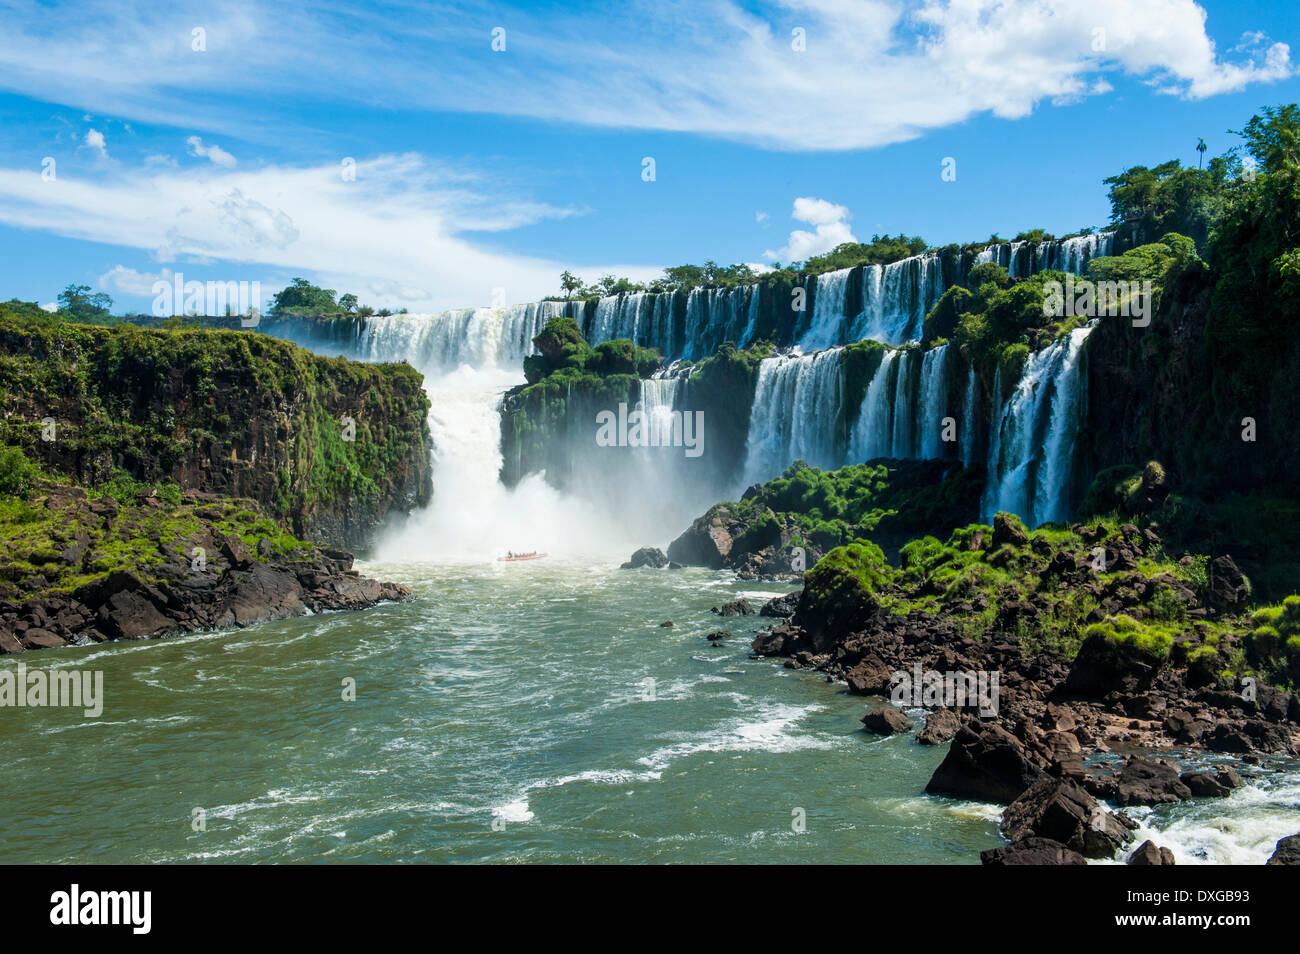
217 155
868 72
394 235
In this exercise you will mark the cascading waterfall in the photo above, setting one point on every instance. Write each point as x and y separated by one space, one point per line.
795 405
902 443
1021 259
873 436
934 402
473 336
658 402
470 356
1032 442
970 405
896 298
829 300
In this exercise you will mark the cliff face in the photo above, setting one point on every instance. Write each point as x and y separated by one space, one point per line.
329 447
550 425
1165 392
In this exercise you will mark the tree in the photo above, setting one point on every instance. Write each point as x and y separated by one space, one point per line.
1274 138
1169 198
569 283
301 297
82 305
348 302
1200 147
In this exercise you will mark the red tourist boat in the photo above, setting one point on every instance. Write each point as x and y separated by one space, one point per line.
516 557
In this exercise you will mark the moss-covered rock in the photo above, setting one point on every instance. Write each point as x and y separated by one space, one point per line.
1119 654
841 593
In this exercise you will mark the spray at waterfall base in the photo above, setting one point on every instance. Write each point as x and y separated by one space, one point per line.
639 428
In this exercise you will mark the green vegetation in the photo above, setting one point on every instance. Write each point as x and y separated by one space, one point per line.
859 503
301 299
65 539
1274 643
564 353
881 250
160 404
78 302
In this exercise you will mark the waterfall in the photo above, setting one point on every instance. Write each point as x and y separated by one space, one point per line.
829 300
1074 254
903 443
1021 260
1032 440
658 401
896 298
873 436
473 336
751 322
970 405
934 402
794 413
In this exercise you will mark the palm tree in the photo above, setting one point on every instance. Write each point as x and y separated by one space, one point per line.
1200 147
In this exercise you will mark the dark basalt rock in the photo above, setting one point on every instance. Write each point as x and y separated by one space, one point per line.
1103 666
1032 851
647 556
738 607
1062 811
781 607
1218 784
1287 851
1146 782
985 763
940 726
886 720
869 677
1229 589
1148 853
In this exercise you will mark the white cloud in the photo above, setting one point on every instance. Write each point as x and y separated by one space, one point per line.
831 228
215 153
874 71
398 231
50 306
94 141
761 217
119 278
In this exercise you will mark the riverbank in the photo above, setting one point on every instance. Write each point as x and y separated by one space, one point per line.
78 569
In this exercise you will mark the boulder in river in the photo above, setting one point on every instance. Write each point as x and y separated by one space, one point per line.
1148 853
886 720
647 556
1032 851
1287 851
1146 782
1059 809
738 607
940 726
985 763
781 607
1217 784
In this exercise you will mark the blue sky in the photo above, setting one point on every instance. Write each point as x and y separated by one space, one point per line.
481 169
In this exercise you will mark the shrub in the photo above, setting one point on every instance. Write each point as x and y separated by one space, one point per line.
17 473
